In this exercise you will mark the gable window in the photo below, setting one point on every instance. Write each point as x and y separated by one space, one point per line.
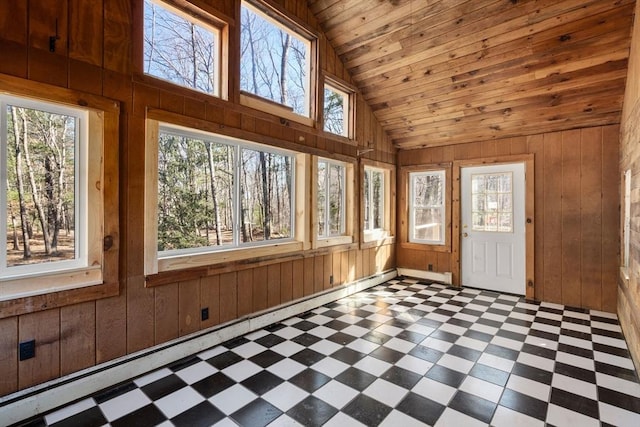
209 194
338 109
427 207
181 48
275 61
51 217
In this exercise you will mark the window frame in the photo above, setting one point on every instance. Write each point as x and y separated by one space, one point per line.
204 16
98 276
154 263
404 207
285 22
442 207
347 237
349 112
386 234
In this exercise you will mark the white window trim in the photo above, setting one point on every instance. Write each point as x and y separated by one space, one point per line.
442 174
347 236
268 13
156 262
86 269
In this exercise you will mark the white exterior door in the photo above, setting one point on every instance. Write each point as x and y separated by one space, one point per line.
492 241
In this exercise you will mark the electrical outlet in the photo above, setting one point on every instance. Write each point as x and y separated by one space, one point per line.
204 313
430 267
27 350
331 279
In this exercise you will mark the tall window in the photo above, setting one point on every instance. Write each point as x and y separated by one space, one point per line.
427 207
180 48
331 198
274 60
216 192
626 226
44 195
374 208
337 106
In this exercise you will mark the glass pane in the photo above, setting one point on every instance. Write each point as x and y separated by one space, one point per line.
336 197
273 62
180 50
195 193
428 224
41 199
492 202
335 105
322 201
266 196
377 188
367 200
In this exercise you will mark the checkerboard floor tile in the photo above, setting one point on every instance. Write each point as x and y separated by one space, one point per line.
402 353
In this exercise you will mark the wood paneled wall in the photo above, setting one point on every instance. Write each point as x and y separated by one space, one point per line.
629 289
576 211
96 53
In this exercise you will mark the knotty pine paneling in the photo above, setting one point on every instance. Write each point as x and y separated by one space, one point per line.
629 290
576 234
96 54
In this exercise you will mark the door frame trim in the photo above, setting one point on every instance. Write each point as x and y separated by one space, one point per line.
529 213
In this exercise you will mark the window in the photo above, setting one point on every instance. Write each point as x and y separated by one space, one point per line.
626 230
275 60
427 207
209 194
181 49
51 216
378 197
338 106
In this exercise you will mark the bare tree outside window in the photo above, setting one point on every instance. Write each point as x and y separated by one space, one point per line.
180 49
273 61
40 188
336 106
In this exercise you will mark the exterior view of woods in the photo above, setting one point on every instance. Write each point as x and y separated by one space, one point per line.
198 181
335 111
273 61
331 199
427 217
180 50
39 189
373 199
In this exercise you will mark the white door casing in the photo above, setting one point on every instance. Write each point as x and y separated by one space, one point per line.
493 238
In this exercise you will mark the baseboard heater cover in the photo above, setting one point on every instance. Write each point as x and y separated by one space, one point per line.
445 278
42 398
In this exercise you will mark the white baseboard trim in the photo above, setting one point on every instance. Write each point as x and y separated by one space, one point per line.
428 275
44 397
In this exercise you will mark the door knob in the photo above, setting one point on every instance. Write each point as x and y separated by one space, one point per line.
465 234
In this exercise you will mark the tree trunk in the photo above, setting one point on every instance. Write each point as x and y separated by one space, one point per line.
266 208
34 188
26 248
283 69
214 197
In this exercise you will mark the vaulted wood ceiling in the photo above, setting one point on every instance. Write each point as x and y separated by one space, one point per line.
439 72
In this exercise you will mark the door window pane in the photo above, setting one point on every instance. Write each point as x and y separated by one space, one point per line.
492 202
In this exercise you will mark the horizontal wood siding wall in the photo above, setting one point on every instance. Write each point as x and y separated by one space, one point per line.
629 290
94 54
576 211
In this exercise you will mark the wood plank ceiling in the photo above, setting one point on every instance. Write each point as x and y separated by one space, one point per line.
440 72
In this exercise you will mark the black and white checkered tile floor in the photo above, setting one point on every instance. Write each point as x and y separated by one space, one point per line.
401 354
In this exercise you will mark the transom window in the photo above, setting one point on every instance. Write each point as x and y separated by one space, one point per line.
374 197
275 60
337 110
180 48
427 207
216 192
492 202
331 198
